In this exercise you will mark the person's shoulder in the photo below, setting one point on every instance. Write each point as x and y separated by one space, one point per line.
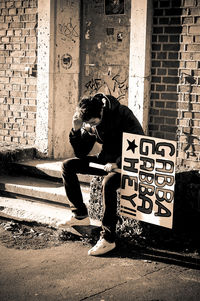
125 109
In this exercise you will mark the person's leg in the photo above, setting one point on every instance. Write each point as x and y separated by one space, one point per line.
70 169
110 185
106 242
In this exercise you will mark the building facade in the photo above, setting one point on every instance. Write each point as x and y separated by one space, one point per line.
146 53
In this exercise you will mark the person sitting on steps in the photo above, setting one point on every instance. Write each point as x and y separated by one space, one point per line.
101 119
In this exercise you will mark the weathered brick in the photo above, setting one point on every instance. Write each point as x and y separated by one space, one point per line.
15 140
23 141
10 4
18 53
187 115
173 29
2 33
170 80
30 53
18 39
8 19
156 79
20 11
31 117
17 67
188 20
16 25
30 108
16 61
2 59
172 88
7 138
17 94
171 105
4 12
30 11
194 29
18 32
169 96
168 128
16 133
30 25
172 72
5 40
31 40
16 46
191 65
187 39
30 129
12 11
170 64
160 87
168 113
171 47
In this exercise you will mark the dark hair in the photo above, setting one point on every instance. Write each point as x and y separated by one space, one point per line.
91 107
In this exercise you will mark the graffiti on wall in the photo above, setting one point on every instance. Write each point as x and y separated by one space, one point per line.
68 31
113 85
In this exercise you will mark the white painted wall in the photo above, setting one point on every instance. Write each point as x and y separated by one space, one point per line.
44 101
140 60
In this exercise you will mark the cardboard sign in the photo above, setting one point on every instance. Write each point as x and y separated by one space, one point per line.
148 179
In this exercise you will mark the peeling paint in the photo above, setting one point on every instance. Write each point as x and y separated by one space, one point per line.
87 35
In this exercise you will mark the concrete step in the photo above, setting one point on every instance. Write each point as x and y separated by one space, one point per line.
32 210
35 188
49 169
36 211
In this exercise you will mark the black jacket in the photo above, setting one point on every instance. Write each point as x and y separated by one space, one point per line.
116 119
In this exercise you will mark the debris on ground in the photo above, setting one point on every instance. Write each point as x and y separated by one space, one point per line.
26 235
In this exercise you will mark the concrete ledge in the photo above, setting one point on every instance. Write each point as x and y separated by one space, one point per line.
44 168
37 188
27 210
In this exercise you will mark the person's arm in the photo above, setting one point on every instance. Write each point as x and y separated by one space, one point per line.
80 139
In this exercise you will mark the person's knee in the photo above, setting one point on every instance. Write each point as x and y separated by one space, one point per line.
111 182
67 166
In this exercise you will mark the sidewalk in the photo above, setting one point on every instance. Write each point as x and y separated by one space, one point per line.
66 272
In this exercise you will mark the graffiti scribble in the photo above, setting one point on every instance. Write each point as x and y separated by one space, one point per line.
68 30
114 86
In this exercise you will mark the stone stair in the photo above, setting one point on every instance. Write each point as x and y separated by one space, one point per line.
33 188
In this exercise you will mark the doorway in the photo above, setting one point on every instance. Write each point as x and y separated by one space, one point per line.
105 46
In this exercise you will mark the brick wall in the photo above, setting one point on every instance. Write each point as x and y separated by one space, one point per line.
175 91
18 50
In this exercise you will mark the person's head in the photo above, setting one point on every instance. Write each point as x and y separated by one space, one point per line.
91 108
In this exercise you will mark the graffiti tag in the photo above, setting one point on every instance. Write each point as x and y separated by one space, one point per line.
114 86
68 30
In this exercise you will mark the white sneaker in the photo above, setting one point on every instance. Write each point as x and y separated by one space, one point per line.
75 220
102 247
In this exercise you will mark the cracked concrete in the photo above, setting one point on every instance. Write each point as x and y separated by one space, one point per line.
66 272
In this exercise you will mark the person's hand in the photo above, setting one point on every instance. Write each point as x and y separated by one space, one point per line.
110 166
77 122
